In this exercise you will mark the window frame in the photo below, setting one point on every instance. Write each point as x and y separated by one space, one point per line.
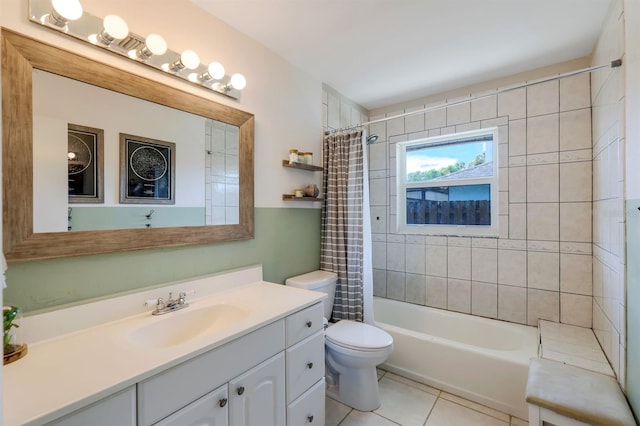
448 230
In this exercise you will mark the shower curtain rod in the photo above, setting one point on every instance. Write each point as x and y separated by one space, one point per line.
614 64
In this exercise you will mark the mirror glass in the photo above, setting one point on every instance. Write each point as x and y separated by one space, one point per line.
67 112
125 163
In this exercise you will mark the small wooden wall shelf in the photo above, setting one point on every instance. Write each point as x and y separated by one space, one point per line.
291 197
301 166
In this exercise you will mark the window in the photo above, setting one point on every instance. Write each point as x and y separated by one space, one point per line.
448 185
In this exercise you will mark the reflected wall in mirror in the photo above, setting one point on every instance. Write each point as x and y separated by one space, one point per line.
206 164
214 176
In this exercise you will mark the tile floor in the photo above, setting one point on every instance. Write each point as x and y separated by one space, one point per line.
408 403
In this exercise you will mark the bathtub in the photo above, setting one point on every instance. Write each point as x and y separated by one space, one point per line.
484 360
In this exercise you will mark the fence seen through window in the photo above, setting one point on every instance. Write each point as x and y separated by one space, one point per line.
447 181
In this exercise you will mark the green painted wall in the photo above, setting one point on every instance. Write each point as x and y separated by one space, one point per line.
633 305
287 243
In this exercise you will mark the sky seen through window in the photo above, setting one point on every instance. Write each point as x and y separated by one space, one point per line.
437 157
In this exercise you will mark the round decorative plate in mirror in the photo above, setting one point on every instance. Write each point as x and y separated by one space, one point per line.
148 163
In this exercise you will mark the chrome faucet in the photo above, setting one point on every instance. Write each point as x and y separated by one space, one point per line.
170 305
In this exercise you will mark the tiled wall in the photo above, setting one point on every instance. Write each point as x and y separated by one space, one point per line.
540 266
222 168
607 94
338 111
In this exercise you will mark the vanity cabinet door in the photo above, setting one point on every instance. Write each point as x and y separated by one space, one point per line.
115 410
210 410
257 398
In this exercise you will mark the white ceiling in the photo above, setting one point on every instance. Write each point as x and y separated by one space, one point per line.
382 52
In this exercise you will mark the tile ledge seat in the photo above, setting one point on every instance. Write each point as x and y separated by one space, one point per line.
569 395
573 345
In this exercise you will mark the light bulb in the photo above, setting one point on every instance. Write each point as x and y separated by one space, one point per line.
190 59
68 9
115 27
156 44
238 81
63 12
216 70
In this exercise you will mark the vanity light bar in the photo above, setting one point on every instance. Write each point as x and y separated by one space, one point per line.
112 34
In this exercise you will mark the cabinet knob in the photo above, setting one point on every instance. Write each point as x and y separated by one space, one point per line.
309 324
309 365
240 390
310 418
223 402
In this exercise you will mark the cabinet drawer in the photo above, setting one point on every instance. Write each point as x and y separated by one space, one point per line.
308 410
304 323
212 409
167 392
305 365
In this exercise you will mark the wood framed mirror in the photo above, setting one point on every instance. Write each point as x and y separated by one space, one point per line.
22 55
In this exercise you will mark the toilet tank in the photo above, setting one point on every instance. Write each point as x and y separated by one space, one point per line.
322 281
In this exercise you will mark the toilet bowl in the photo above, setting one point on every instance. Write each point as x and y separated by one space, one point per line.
352 349
352 352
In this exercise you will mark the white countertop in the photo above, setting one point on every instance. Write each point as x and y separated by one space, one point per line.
64 373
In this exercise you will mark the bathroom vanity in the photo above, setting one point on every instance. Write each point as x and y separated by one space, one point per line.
241 354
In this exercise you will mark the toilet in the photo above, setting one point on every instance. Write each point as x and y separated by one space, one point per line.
352 349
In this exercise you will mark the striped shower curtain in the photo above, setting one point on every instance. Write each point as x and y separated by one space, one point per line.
341 248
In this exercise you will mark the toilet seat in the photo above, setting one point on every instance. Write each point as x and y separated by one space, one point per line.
358 336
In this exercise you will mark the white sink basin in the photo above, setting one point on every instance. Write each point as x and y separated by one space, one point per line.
182 326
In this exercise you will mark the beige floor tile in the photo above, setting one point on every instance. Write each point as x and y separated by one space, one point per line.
404 404
518 422
475 406
413 384
358 418
334 412
447 413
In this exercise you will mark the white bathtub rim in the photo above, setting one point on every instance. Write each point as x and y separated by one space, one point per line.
517 356
511 327
457 391
526 333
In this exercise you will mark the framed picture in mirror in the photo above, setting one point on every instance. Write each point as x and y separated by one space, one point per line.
147 170
85 148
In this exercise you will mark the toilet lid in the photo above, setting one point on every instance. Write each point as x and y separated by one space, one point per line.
356 335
